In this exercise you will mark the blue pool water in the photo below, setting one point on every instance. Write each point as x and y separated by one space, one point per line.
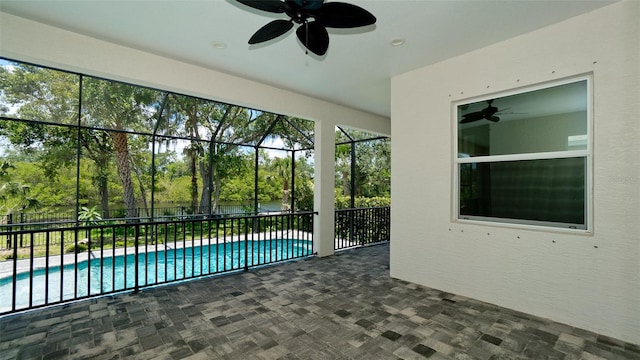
104 275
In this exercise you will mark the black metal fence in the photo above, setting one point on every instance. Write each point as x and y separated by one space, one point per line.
70 263
15 225
360 227
167 212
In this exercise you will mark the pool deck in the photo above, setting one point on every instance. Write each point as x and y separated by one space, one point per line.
24 265
339 307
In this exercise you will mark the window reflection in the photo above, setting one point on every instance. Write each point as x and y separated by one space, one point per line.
523 158
552 119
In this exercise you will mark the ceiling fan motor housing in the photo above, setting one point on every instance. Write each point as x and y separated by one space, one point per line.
312 34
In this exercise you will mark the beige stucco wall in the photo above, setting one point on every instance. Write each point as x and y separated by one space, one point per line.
589 280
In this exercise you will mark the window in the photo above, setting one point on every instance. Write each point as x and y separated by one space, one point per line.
524 158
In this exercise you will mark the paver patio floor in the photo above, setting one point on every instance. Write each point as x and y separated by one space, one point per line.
340 307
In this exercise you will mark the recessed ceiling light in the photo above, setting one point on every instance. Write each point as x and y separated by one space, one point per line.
218 45
397 41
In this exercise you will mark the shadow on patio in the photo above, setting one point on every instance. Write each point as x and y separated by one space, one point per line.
338 307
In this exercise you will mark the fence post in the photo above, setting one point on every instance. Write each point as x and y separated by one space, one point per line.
136 234
9 222
352 214
246 245
21 227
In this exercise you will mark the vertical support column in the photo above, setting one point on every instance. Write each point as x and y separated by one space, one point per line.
292 188
323 195
153 178
352 193
352 180
256 163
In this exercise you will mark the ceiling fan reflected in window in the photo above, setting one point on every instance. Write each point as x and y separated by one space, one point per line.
314 16
488 113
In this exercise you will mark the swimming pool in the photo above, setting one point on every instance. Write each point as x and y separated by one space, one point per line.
108 274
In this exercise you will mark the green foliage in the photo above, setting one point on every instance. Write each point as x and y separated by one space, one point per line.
31 89
50 192
89 216
237 190
14 195
344 202
176 190
121 243
76 248
132 125
372 167
304 195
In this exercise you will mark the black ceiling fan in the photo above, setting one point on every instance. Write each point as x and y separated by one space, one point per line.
488 113
312 33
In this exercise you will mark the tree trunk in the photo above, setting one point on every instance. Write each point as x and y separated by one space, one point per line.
194 151
285 195
121 148
101 180
95 146
194 180
103 189
143 190
346 185
216 193
205 197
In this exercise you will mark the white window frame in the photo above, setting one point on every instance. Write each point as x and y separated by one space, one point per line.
587 154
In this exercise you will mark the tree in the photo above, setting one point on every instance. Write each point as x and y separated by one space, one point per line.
52 96
304 185
107 136
13 195
120 108
187 112
215 131
343 168
38 94
97 147
371 170
282 169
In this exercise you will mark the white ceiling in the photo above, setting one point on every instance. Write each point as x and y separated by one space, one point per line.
356 70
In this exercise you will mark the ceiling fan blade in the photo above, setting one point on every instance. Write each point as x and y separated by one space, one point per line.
271 31
314 37
494 119
468 120
309 4
274 6
343 15
471 117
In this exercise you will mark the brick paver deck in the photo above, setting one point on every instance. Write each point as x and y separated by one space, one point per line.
341 307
